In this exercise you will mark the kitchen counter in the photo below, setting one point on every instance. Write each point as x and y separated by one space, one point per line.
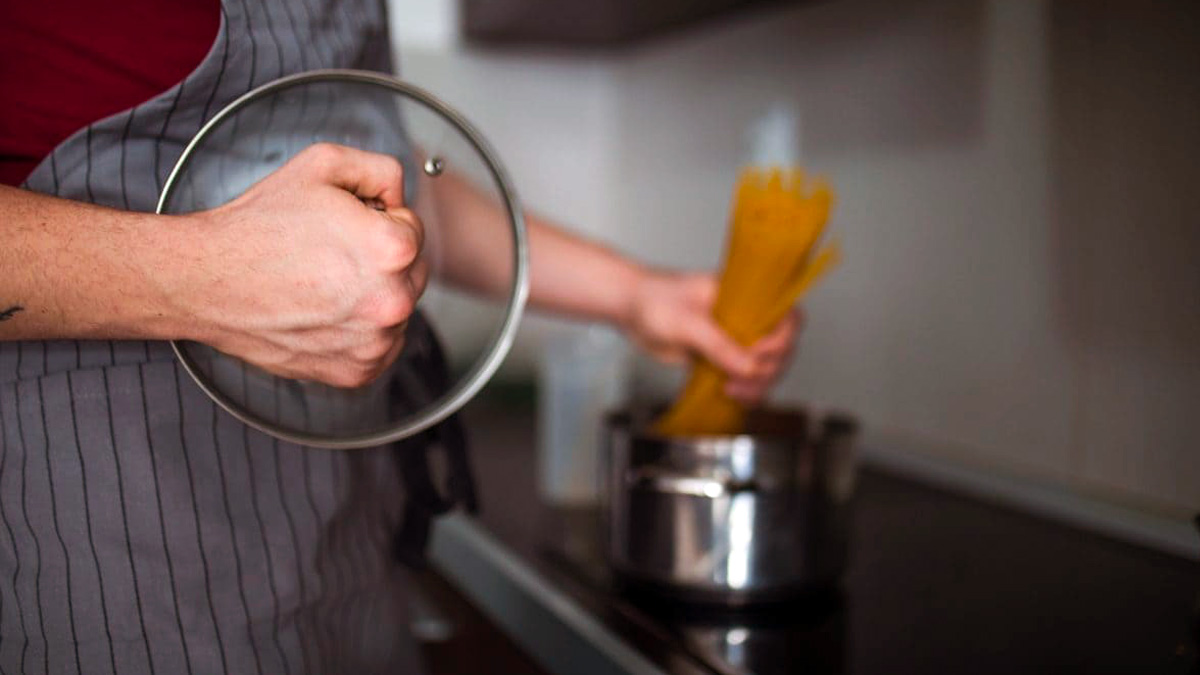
937 583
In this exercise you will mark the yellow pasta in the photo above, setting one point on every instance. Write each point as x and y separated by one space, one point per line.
771 259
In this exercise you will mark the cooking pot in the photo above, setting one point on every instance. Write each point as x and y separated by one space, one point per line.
734 520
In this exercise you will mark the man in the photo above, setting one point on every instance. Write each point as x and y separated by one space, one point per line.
141 529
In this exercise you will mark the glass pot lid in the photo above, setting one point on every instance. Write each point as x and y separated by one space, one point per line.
442 154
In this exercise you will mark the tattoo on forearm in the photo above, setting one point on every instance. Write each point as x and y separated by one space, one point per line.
9 313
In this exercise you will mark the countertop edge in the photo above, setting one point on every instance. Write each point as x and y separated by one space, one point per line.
559 634
1053 503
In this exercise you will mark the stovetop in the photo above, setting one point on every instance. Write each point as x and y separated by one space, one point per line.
937 583
804 634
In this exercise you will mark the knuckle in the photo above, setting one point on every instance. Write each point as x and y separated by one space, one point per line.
364 376
395 309
742 368
418 280
345 378
322 152
374 351
357 376
394 169
399 251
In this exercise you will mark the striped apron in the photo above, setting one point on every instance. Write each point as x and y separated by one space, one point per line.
142 529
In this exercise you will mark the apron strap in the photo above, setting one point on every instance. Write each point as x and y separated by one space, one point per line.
424 499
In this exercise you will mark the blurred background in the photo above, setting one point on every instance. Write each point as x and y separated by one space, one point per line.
1018 311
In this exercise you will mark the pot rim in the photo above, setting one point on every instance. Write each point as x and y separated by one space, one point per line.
636 420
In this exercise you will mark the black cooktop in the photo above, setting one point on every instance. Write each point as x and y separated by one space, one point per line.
938 583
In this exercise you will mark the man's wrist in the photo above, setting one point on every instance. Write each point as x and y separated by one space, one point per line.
630 280
172 277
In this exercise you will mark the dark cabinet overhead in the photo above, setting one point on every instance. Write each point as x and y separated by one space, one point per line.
594 23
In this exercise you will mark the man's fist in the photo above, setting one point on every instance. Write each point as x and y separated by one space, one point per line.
313 272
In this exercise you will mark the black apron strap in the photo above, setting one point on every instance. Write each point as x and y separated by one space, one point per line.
424 500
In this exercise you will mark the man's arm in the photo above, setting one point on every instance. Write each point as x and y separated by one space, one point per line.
75 270
298 275
665 312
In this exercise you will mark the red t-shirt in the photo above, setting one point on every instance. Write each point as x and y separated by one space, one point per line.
67 63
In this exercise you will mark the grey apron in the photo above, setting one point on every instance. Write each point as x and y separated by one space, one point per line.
143 530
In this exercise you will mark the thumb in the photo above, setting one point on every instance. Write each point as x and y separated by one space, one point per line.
715 345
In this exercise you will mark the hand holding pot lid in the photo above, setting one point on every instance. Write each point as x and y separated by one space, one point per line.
345 161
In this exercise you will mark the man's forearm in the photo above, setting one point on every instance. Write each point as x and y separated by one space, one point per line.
576 277
667 313
310 274
569 275
75 270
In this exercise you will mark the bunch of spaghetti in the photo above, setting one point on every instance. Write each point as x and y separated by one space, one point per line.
773 255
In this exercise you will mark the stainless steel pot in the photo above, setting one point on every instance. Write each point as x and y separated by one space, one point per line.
732 520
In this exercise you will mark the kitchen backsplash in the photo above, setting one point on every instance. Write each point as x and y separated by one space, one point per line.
1017 203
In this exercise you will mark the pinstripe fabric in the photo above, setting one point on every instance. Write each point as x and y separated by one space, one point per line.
142 530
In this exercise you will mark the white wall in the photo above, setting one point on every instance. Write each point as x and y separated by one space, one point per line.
1016 200
552 122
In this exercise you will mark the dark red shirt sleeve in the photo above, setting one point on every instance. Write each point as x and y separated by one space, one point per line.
67 63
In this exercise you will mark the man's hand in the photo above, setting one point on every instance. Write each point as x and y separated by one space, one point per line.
671 318
312 273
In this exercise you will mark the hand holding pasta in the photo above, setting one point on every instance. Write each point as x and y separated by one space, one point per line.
772 258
